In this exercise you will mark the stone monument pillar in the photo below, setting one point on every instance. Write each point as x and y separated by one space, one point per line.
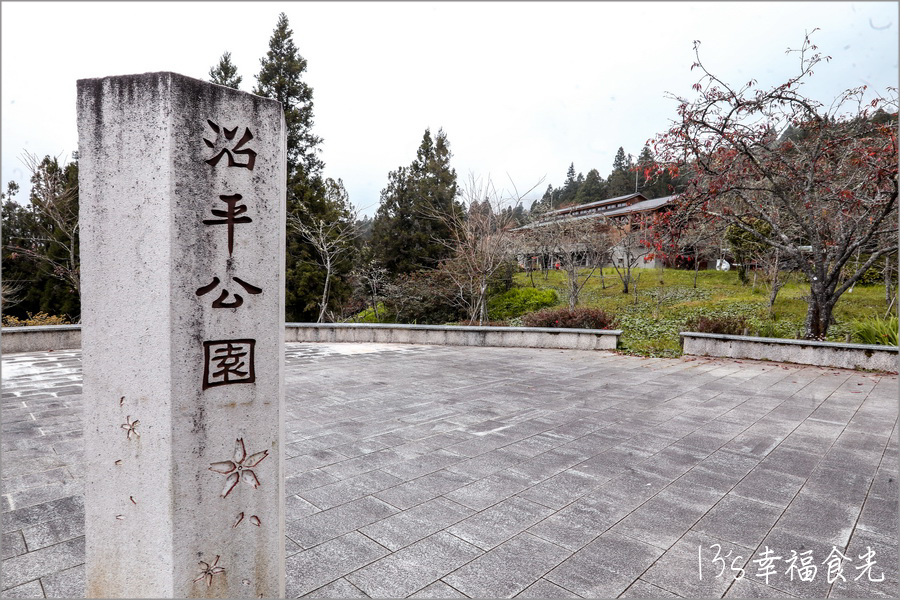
182 194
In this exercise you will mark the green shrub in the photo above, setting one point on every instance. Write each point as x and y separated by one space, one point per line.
580 318
717 324
518 301
876 331
872 276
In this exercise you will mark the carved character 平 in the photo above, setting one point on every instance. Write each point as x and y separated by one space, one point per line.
231 216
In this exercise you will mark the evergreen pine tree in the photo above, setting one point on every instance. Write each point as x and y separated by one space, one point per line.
280 78
570 188
621 179
592 189
225 73
406 235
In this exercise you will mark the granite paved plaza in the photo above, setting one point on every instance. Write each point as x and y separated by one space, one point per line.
442 472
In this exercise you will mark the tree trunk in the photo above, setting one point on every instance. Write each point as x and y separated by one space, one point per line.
888 287
325 294
482 300
696 269
818 317
776 286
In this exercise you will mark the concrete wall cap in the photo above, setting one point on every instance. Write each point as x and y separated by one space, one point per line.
765 340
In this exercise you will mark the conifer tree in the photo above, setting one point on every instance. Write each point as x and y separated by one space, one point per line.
407 234
225 73
592 189
280 78
621 179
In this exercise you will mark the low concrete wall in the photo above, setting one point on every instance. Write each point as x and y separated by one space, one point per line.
40 339
58 337
804 352
454 335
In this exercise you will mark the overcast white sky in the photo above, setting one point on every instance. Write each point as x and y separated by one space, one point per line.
520 88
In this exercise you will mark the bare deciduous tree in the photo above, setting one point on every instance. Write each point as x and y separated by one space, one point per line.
579 245
332 239
823 178
481 241
53 236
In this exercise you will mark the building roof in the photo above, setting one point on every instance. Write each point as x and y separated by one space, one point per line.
640 206
590 205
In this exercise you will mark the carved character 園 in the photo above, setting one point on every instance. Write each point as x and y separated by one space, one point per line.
227 362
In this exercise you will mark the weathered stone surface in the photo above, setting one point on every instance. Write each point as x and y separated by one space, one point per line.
182 191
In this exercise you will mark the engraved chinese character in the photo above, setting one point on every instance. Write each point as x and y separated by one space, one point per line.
221 302
866 567
765 564
229 135
231 215
806 571
227 362
835 564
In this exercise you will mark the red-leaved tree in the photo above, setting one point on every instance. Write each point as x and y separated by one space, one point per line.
823 178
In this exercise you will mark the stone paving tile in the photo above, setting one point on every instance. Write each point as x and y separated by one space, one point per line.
606 567
715 445
52 532
579 523
65 584
879 518
562 489
828 520
630 489
296 507
347 490
507 569
781 543
438 589
46 561
408 570
32 589
412 525
642 589
427 487
334 522
880 580
769 486
663 519
13 544
495 525
748 588
71 506
490 490
340 588
311 569
301 482
544 589
738 521
848 483
679 569
423 465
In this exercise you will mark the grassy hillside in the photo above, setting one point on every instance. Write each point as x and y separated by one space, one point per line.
665 300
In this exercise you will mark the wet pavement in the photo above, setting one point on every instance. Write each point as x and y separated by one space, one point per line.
443 472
